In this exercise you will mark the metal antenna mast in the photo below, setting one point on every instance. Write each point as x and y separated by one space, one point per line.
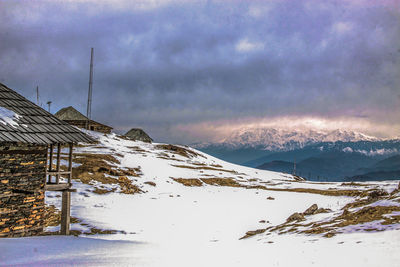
89 103
49 103
37 95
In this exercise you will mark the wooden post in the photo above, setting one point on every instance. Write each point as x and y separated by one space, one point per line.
47 162
70 162
58 163
51 161
65 212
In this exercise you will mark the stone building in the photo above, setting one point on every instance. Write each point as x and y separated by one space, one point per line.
31 140
137 134
74 117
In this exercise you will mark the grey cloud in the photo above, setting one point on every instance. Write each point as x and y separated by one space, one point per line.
179 63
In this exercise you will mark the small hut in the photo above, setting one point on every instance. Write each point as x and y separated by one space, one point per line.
31 143
138 135
74 117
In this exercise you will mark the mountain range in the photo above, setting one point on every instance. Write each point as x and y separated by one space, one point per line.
319 155
273 139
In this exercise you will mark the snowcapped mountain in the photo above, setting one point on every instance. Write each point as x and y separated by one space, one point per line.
283 139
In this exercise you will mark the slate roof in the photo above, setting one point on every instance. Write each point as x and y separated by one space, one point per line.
70 113
35 125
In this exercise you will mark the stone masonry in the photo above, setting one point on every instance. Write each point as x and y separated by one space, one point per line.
22 179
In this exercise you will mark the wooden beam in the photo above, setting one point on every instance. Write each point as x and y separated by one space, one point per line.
47 160
51 161
58 163
65 212
71 146
57 187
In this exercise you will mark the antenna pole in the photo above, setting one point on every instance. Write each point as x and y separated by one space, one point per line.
49 103
37 95
89 103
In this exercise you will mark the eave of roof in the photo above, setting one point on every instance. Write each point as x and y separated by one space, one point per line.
35 125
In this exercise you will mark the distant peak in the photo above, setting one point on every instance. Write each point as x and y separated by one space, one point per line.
288 139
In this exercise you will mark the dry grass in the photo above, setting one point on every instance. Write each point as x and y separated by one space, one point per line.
150 183
253 233
328 192
210 181
188 181
102 191
178 150
233 183
354 184
366 213
52 216
127 187
137 149
98 167
204 168
221 182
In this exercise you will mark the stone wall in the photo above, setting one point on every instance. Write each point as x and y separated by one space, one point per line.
22 178
93 126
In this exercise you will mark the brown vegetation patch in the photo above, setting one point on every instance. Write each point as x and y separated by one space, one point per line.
382 215
199 164
98 167
204 168
179 150
150 183
354 184
253 233
136 149
102 191
188 181
216 165
52 216
210 181
327 192
221 182
169 158
127 187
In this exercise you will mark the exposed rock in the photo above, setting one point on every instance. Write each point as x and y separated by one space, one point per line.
322 210
377 194
137 134
346 212
252 233
298 178
150 183
295 217
311 210
270 198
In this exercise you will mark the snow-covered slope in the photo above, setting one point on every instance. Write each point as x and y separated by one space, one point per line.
170 205
275 139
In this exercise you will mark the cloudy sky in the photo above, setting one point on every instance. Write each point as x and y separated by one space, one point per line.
189 71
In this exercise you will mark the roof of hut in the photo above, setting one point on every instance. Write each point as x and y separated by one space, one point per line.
138 134
70 113
25 122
